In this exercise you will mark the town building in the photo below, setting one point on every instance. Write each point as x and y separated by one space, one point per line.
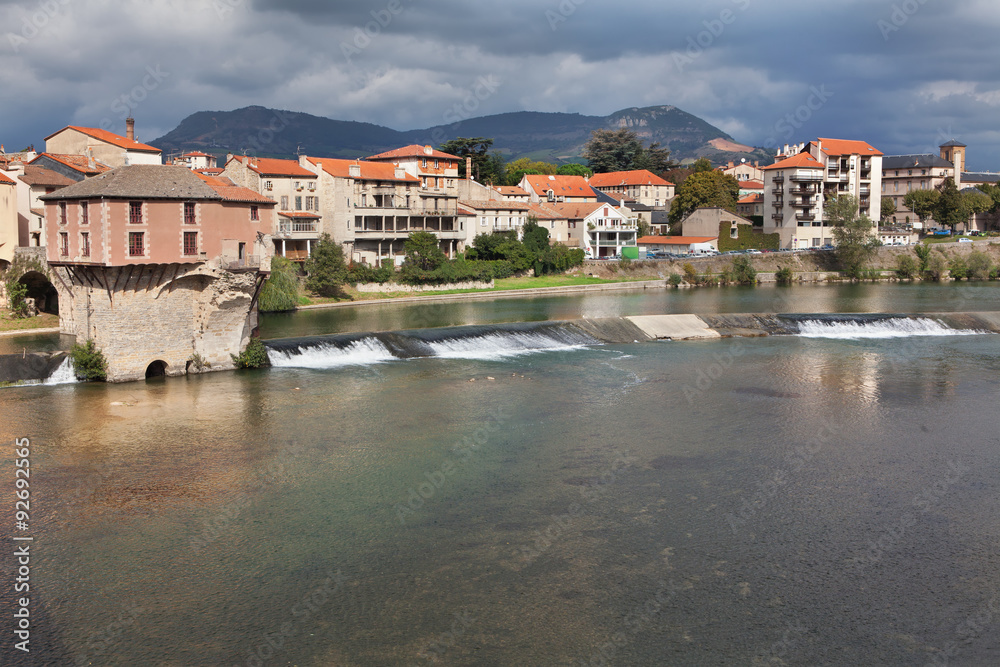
604 231
512 193
437 172
159 266
712 221
107 147
797 187
751 205
196 161
902 174
294 188
486 217
73 167
558 189
640 185
744 171
371 208
33 182
8 220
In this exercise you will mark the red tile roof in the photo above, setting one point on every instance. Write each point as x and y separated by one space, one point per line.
635 177
561 186
543 212
229 192
266 166
370 171
847 147
674 240
6 181
40 176
576 210
110 138
80 163
801 160
510 190
754 198
751 185
413 150
210 171
197 154
495 205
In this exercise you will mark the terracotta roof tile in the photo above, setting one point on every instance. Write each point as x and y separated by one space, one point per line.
370 171
414 150
561 186
495 205
847 147
6 181
111 138
300 215
266 166
229 191
81 163
40 176
635 177
801 160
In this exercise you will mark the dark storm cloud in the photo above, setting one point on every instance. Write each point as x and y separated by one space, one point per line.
898 73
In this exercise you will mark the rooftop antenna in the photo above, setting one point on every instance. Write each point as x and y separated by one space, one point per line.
298 149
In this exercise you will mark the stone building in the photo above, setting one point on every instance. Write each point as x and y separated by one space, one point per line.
107 147
639 185
160 266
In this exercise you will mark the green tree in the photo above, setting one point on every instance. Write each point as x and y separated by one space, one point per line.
704 188
622 150
281 290
923 252
856 245
518 168
423 252
574 169
486 167
535 237
326 268
702 164
644 228
922 202
17 292
950 209
888 207
975 201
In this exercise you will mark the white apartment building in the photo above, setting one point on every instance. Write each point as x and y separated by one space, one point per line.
796 188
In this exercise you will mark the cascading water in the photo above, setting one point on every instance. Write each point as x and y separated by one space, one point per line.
62 375
896 327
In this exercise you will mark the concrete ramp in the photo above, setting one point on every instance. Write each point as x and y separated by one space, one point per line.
674 327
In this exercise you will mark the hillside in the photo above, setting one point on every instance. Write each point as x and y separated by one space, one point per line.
554 137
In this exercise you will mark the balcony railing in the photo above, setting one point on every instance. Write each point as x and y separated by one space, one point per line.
806 176
297 255
294 227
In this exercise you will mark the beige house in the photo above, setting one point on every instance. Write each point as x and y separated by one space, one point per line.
512 193
706 222
8 220
437 173
298 222
639 185
796 188
604 231
107 147
744 171
751 205
196 161
33 182
486 217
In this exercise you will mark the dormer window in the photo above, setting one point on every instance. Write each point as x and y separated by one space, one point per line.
551 195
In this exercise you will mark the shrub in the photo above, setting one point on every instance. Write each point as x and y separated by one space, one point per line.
675 279
923 254
17 292
936 266
742 271
957 268
690 274
625 263
870 273
906 267
980 266
281 290
783 276
88 361
254 356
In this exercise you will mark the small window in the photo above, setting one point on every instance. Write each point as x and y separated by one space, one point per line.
284 202
423 163
189 218
136 244
437 164
734 232
64 244
190 243
85 244
84 214
268 185
135 212
298 203
62 213
254 213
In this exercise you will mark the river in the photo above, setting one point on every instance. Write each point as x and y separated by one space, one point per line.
828 498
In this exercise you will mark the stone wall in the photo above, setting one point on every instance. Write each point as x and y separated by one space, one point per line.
160 312
368 288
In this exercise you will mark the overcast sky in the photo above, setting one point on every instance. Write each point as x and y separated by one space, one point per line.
905 75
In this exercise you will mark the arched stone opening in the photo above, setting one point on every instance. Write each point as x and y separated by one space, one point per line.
42 291
156 369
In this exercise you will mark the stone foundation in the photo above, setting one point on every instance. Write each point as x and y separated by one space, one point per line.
162 312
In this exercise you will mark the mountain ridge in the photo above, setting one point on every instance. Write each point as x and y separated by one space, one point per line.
550 136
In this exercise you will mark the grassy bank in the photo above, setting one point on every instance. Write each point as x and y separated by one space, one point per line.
10 323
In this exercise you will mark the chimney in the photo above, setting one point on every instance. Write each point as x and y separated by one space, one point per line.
468 168
354 170
130 128
428 150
